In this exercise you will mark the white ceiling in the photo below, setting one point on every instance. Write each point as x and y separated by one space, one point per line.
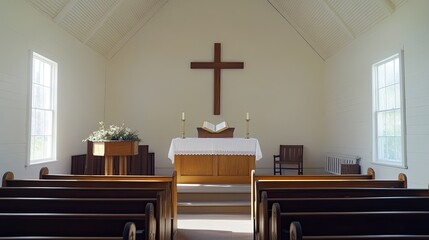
106 25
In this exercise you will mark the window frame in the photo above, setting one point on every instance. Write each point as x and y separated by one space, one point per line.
375 110
53 108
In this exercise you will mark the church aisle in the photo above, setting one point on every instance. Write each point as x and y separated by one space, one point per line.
214 226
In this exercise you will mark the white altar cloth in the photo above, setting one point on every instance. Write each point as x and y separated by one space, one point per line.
214 146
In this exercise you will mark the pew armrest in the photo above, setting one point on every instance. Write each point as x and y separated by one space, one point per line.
129 232
295 231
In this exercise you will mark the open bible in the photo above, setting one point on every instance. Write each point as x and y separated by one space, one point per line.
210 127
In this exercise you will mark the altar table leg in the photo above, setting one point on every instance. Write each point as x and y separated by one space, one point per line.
123 165
108 169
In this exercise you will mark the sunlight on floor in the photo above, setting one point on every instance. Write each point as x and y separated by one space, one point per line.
216 222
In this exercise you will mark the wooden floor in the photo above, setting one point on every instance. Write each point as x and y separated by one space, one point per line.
214 227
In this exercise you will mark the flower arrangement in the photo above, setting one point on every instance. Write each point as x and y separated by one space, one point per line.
118 133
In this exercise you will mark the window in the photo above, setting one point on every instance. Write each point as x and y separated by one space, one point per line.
42 147
388 112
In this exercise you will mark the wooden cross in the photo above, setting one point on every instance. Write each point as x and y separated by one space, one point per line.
217 65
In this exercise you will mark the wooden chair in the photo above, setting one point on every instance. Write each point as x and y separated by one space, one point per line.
289 155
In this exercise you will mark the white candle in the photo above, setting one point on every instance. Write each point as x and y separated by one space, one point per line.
183 116
247 116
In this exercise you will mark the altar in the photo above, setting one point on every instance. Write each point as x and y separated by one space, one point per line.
214 160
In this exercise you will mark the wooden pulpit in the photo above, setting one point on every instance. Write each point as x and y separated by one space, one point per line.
109 149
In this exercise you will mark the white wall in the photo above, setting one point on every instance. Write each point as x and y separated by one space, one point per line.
149 82
348 91
81 87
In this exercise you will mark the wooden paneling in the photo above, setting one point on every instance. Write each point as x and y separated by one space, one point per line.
234 165
214 169
197 165
78 164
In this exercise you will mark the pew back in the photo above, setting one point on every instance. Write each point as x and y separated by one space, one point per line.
42 225
328 183
350 223
44 174
166 223
254 178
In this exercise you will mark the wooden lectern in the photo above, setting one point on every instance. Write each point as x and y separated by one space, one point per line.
108 149
227 133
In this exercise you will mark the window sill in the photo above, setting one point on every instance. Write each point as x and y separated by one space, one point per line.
41 162
386 164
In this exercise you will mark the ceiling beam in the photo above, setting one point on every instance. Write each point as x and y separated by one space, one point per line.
65 10
339 20
316 48
103 20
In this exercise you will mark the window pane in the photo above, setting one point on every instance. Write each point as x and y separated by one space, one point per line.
391 147
47 104
381 123
390 97
41 73
37 96
48 123
381 76
382 99
398 123
47 75
397 76
38 122
36 71
390 123
37 145
397 96
42 110
33 122
390 73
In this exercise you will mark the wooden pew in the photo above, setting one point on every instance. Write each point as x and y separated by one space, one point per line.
267 185
339 204
72 192
70 225
94 194
349 224
129 233
295 232
74 205
58 206
163 185
44 174
333 193
270 185
369 175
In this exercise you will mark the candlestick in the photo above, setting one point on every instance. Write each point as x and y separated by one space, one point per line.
183 128
247 127
183 124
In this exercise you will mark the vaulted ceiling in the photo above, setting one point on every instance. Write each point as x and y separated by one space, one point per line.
326 25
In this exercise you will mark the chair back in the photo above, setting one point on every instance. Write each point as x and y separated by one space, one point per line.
291 153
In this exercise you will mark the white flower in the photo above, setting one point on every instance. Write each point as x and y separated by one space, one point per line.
113 133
